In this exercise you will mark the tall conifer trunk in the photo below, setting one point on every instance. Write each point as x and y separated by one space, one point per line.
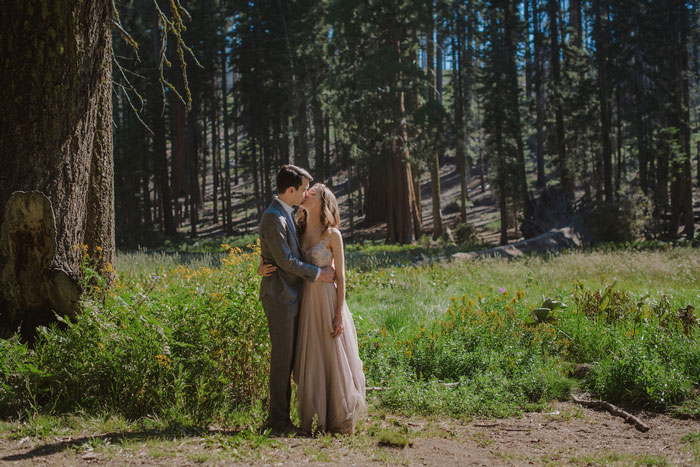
510 39
160 156
684 169
458 86
539 94
562 162
433 159
602 45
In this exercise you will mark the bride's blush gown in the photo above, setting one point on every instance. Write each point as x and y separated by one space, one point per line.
327 370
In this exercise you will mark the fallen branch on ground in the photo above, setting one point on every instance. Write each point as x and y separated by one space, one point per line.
629 418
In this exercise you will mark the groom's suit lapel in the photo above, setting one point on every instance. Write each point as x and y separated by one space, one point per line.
290 224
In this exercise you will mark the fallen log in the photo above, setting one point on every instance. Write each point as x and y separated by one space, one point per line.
554 240
629 418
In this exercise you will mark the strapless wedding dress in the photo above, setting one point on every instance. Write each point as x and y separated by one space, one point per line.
327 370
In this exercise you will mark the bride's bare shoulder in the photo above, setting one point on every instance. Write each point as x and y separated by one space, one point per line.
335 235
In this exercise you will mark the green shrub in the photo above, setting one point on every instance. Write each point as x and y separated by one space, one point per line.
465 234
187 345
639 376
628 219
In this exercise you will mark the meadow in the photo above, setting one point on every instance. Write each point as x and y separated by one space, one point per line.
181 340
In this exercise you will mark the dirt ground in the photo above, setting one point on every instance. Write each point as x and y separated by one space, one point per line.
567 434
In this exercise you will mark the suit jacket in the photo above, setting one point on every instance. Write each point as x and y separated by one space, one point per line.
280 246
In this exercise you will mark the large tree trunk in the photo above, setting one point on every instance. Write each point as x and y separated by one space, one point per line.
55 138
375 197
403 214
403 225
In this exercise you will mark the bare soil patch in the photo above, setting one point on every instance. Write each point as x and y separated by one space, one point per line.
567 434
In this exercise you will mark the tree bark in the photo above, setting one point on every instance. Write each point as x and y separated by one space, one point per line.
403 213
539 95
528 51
458 86
602 46
215 160
319 139
228 227
178 147
510 37
686 172
192 146
327 151
160 156
301 146
433 159
55 138
562 162
375 200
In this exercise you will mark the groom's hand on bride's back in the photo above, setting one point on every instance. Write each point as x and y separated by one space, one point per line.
327 274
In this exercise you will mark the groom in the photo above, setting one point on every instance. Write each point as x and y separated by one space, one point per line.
280 292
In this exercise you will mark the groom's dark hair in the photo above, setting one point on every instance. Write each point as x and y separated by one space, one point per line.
291 175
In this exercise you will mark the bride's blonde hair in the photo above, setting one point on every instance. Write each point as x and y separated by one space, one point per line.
330 212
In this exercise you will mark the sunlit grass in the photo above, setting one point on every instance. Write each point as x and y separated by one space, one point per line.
399 298
181 341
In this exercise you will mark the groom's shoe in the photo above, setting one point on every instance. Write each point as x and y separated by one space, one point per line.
282 429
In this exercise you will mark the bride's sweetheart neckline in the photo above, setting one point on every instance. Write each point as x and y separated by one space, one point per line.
323 238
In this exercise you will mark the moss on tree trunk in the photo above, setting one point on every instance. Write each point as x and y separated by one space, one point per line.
56 128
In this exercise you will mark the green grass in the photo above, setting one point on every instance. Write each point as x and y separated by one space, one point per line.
692 443
615 458
402 297
181 341
392 438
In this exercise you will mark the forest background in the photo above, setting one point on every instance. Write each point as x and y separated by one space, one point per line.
593 104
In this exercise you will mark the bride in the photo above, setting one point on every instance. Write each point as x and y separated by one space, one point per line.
327 368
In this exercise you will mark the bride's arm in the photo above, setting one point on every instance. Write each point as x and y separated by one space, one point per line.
339 260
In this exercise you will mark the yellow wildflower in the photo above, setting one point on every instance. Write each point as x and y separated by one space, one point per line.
163 360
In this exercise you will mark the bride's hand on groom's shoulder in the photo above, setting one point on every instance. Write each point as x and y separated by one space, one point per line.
266 269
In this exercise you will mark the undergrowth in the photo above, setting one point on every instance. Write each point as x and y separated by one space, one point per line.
188 345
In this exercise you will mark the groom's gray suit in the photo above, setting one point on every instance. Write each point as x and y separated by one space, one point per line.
280 294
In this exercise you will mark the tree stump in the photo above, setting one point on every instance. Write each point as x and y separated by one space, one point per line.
33 284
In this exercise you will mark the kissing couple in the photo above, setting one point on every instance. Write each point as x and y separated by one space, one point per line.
303 294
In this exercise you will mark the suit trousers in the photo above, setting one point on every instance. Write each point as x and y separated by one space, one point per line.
282 322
